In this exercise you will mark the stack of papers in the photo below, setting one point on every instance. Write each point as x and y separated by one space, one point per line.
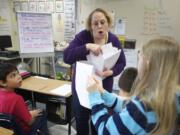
85 69
107 59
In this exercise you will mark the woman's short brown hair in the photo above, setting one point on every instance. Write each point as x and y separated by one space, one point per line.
106 14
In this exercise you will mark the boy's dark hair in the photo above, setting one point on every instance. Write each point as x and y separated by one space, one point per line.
127 79
5 69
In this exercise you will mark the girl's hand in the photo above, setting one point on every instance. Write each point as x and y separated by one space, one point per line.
94 48
94 85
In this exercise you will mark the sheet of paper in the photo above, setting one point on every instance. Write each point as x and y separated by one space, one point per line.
106 49
111 61
83 72
86 69
62 90
96 61
40 77
107 59
120 27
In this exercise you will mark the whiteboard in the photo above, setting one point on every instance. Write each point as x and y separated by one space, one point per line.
35 32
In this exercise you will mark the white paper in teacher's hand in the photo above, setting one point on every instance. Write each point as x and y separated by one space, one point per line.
107 59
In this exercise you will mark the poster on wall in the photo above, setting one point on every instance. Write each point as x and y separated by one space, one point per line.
120 26
69 21
5 21
33 6
49 6
17 6
35 32
24 6
59 6
41 6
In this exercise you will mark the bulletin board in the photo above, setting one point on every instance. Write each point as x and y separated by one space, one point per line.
35 33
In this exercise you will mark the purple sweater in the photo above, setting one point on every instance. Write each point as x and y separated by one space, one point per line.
77 51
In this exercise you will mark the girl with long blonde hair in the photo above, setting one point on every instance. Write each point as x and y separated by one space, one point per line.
158 80
154 105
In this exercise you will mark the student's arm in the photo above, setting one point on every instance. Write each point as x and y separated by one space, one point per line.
21 111
23 114
131 120
112 101
109 99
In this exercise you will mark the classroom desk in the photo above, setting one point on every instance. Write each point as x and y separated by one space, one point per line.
38 89
43 85
5 131
8 59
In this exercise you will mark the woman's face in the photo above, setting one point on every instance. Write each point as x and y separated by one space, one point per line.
99 25
142 65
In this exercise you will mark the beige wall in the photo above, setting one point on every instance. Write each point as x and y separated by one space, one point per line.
133 11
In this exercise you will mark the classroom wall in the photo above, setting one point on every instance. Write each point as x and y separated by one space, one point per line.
7 20
144 19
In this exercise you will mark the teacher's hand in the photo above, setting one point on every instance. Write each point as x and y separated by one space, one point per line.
105 73
94 48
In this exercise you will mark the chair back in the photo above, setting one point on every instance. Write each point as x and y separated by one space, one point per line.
8 121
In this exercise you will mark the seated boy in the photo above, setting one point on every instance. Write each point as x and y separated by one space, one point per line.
126 81
11 103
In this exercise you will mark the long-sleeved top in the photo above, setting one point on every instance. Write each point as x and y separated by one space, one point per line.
11 103
133 119
77 51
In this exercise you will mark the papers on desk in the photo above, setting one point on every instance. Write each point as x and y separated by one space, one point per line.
62 90
85 69
40 77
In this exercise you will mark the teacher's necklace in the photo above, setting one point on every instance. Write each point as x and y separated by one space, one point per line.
102 41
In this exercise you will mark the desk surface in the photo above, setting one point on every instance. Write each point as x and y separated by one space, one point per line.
5 131
43 85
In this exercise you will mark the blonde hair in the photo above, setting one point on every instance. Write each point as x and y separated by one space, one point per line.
89 19
157 87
